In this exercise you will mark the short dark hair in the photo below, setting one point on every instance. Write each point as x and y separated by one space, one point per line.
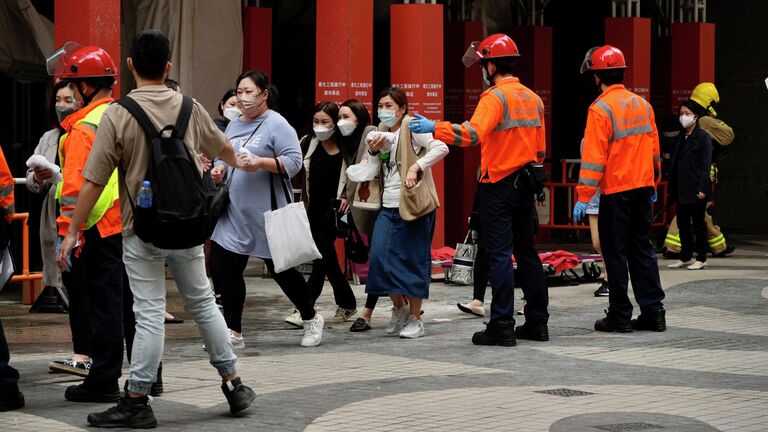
697 109
172 84
610 77
504 65
262 81
225 98
150 52
398 95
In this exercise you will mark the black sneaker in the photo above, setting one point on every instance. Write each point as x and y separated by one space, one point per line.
238 395
602 290
497 332
613 322
157 388
536 332
11 399
81 393
134 413
360 325
651 321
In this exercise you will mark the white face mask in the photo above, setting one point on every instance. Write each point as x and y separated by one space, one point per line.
231 113
346 127
388 117
323 133
687 120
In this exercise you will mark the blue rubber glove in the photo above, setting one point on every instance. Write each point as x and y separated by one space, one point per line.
654 196
421 125
56 252
579 210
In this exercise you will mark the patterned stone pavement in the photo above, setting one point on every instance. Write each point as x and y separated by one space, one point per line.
708 372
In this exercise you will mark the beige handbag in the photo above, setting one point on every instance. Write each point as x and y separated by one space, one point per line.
421 199
368 195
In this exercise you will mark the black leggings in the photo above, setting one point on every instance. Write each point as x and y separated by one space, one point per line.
227 274
328 265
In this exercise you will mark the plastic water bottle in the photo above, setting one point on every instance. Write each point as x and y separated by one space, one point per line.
145 195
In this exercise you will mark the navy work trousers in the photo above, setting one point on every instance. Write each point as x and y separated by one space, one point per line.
507 223
625 236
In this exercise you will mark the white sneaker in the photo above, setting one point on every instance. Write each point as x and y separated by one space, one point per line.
698 265
238 342
295 319
679 263
342 315
413 329
398 319
313 331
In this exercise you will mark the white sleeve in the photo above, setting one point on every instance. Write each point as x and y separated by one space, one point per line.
436 149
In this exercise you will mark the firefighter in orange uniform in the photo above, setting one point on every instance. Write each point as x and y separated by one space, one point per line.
621 156
96 266
509 125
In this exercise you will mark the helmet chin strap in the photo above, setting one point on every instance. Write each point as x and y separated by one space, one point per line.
86 98
490 76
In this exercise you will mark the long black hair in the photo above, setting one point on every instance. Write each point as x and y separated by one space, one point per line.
262 82
351 143
53 119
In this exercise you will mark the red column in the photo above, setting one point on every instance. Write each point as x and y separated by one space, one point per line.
693 59
633 37
417 59
344 51
90 22
462 91
257 39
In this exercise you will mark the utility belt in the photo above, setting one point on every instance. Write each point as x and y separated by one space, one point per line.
531 175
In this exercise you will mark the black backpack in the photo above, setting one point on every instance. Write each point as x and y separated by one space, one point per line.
178 217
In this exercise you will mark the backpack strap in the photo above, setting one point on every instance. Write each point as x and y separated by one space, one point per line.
184 115
140 115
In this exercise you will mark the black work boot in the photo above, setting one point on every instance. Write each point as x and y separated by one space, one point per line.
157 387
613 322
130 412
84 393
11 399
656 321
537 332
497 332
238 395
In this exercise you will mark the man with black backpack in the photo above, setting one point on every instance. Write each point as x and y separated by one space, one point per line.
166 221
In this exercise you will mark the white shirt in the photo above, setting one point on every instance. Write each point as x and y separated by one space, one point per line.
436 151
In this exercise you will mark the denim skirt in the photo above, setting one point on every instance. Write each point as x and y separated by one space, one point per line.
401 258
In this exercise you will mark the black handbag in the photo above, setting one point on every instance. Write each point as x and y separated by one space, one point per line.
219 199
354 247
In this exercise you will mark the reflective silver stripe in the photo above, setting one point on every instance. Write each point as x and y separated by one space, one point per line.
624 133
69 214
541 154
503 99
6 190
68 200
456 134
589 182
593 166
473 137
509 122
93 127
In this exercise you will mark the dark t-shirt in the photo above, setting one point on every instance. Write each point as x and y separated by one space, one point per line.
324 178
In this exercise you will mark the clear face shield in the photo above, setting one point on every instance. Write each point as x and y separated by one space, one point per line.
56 64
471 56
586 65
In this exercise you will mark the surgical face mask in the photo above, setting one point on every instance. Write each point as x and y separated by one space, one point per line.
63 112
687 120
388 117
323 133
346 127
248 104
486 80
231 113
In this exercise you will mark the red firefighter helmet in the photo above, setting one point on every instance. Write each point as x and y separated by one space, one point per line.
494 46
602 58
75 61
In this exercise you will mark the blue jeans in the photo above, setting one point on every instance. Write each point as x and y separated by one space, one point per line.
145 265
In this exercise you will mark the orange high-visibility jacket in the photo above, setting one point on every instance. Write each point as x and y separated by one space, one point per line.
621 145
74 149
6 189
509 122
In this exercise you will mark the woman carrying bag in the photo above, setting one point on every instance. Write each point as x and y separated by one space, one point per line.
400 248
